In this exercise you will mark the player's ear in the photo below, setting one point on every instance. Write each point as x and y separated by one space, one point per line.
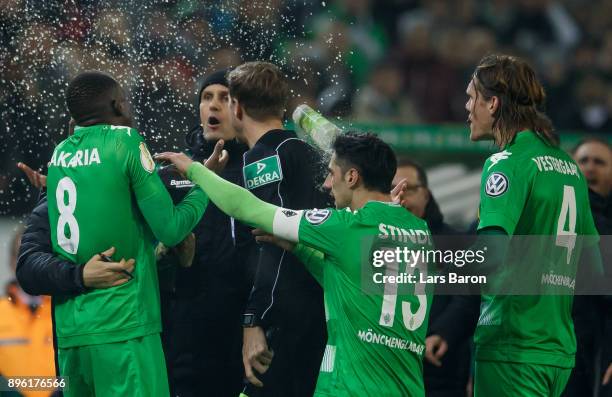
427 195
118 108
351 177
236 108
494 104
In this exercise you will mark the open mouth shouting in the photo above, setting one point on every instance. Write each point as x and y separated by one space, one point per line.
213 123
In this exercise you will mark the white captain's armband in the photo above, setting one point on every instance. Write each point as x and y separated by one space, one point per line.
287 223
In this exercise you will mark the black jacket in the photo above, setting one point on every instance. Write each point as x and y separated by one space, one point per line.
283 170
39 270
453 317
591 313
219 264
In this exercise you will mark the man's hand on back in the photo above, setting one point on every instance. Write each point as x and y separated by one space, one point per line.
263 237
99 273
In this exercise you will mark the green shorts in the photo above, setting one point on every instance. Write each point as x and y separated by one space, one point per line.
501 379
135 367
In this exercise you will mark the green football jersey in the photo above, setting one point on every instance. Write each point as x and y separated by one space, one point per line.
103 191
536 190
376 332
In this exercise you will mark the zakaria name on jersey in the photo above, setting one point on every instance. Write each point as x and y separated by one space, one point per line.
79 158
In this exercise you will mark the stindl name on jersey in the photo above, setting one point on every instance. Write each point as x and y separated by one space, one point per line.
396 233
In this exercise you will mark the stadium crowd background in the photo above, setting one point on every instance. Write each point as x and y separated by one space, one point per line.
389 61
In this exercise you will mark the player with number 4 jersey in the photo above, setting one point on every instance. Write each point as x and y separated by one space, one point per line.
533 196
531 188
103 191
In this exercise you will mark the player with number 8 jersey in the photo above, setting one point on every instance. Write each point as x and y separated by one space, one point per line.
103 191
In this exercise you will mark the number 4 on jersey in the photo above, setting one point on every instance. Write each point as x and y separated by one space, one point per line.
567 238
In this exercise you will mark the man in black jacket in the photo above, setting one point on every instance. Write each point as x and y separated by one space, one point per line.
210 295
284 316
592 319
453 318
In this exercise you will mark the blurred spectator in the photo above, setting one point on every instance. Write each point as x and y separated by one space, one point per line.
559 91
592 320
26 335
427 78
335 51
382 99
592 112
365 33
453 318
256 30
539 24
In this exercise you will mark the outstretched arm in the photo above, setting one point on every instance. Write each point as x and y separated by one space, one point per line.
231 199
169 223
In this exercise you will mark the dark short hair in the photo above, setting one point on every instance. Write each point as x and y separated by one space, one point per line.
373 158
261 89
405 162
85 93
591 139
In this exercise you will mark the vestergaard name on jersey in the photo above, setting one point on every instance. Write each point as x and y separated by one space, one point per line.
80 158
550 163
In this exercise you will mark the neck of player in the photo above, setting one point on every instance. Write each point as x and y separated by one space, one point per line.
254 130
362 196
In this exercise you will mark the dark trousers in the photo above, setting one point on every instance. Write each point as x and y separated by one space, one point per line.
205 347
298 341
